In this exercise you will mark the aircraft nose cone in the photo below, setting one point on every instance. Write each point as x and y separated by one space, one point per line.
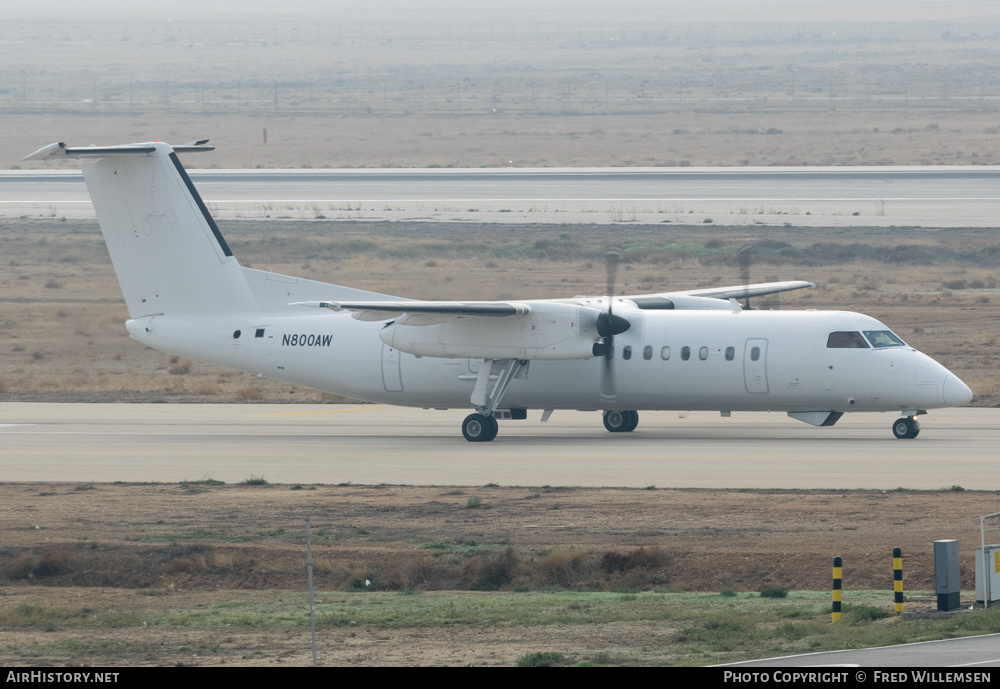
956 393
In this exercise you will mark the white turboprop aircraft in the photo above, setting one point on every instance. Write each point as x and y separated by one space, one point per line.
693 350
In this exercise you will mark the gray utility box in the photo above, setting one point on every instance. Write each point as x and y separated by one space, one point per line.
988 576
946 578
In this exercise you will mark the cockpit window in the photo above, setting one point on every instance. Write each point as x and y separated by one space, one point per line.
846 340
883 338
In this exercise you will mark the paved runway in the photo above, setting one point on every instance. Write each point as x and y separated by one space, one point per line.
860 196
970 654
379 444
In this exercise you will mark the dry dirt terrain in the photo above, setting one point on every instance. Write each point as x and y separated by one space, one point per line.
125 554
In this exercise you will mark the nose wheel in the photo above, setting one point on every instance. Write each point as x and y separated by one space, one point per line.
906 427
622 421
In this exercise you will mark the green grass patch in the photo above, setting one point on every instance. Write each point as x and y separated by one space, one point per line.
698 628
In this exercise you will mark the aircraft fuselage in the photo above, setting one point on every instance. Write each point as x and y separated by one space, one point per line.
669 360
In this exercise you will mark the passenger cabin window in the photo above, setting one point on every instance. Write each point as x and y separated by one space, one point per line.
685 353
883 338
627 352
754 353
703 353
730 353
846 340
647 352
665 353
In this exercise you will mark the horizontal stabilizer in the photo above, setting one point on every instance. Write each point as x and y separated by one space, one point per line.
61 150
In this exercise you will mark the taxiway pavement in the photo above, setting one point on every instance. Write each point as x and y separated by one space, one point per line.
927 196
370 444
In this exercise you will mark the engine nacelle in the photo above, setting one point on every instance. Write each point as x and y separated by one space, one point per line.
550 331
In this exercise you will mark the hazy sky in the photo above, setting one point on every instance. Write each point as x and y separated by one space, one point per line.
571 11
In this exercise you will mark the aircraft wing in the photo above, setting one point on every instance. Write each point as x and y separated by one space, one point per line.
740 291
483 329
432 311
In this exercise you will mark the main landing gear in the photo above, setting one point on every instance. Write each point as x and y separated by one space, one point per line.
623 421
906 427
479 428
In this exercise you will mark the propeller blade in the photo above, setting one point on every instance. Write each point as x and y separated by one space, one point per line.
744 258
611 261
609 325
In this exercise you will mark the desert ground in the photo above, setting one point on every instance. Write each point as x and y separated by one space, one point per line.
119 574
207 574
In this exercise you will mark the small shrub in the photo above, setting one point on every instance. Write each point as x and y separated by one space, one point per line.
728 593
254 480
774 592
541 659
475 502
207 389
560 567
250 394
613 561
860 613
56 560
493 572
180 368
23 566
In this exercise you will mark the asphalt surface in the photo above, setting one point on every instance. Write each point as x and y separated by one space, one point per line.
902 196
966 656
371 444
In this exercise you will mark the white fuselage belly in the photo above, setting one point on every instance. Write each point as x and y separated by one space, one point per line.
795 371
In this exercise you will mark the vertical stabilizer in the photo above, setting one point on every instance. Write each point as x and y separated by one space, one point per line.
167 251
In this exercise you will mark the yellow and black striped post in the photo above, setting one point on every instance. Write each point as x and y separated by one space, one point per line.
897 578
838 571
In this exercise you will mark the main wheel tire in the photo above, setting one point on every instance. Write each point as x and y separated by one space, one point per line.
620 421
494 428
633 421
905 428
478 428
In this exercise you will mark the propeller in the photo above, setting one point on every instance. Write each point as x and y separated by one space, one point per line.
609 325
744 258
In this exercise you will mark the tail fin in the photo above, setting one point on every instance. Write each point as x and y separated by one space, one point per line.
166 249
